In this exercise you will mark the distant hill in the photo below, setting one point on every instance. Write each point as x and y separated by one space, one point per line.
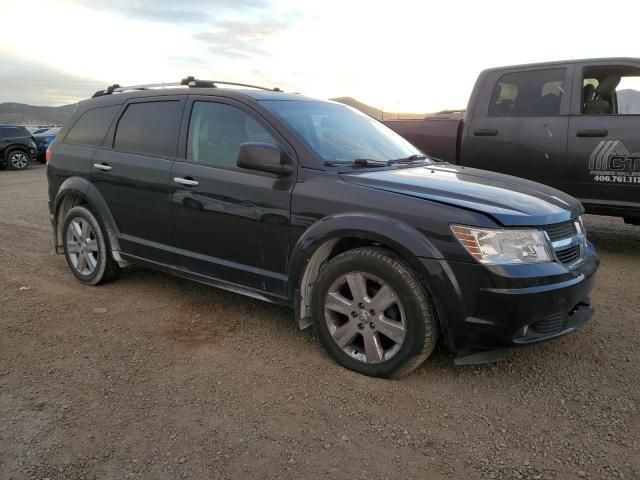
374 112
22 114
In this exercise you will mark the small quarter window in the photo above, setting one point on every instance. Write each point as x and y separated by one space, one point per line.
536 92
92 126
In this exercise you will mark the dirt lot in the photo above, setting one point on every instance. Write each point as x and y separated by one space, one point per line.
155 377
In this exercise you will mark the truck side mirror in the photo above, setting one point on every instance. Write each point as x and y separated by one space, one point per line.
262 157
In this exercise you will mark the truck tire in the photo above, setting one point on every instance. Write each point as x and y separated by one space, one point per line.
17 159
372 314
86 247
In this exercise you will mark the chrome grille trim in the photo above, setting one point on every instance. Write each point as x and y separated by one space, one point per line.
561 230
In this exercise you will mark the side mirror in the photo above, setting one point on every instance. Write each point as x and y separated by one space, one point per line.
262 157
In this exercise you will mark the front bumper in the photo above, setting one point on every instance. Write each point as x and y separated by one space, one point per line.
486 308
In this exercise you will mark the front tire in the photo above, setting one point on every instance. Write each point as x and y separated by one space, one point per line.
18 160
86 247
372 314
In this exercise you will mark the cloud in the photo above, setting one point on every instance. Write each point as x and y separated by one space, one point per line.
239 39
173 11
38 84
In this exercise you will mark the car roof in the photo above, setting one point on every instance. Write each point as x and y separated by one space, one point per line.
566 62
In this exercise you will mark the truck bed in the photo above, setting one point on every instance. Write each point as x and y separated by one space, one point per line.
436 135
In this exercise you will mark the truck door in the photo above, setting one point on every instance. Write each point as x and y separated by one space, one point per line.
518 123
604 138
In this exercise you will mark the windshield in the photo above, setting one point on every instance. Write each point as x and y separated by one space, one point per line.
341 134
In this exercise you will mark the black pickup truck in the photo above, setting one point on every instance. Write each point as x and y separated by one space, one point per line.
573 125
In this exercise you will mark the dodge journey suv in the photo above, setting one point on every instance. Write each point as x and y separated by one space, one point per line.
315 205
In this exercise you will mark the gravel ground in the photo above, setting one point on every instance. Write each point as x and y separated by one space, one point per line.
155 377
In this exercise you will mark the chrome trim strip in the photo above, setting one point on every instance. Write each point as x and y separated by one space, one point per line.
567 242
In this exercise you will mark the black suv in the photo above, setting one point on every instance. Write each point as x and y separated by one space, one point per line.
315 205
17 147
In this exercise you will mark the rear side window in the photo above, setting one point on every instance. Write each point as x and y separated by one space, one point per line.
149 128
92 126
538 92
14 132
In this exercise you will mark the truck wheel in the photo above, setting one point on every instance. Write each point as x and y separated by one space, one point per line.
18 160
86 248
372 314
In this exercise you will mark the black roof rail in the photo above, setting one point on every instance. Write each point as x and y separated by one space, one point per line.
190 82
194 82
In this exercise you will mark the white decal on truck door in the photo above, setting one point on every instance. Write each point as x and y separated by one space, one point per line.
612 162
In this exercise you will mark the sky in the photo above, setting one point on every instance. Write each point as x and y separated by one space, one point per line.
400 55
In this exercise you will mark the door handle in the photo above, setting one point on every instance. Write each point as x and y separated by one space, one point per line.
485 132
102 166
592 133
189 182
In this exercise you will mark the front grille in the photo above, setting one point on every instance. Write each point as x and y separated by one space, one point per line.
566 241
569 254
551 324
560 231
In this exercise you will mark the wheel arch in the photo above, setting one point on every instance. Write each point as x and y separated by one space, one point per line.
76 191
334 235
16 146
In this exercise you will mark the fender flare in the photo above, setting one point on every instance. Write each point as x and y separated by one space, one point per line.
84 188
390 232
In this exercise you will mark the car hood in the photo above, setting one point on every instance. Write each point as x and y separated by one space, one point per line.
508 200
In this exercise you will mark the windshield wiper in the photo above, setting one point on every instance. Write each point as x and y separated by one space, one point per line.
409 159
357 163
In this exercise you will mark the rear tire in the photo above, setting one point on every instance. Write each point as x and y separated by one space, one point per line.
86 247
18 159
372 314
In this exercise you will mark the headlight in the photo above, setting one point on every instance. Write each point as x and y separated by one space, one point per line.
502 247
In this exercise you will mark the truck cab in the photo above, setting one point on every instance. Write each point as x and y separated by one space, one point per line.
573 125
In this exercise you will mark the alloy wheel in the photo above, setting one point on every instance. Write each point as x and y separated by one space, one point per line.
365 317
19 160
82 246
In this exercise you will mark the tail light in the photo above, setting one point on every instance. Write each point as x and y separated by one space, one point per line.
47 156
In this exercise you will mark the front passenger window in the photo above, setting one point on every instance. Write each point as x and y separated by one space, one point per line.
610 90
216 131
